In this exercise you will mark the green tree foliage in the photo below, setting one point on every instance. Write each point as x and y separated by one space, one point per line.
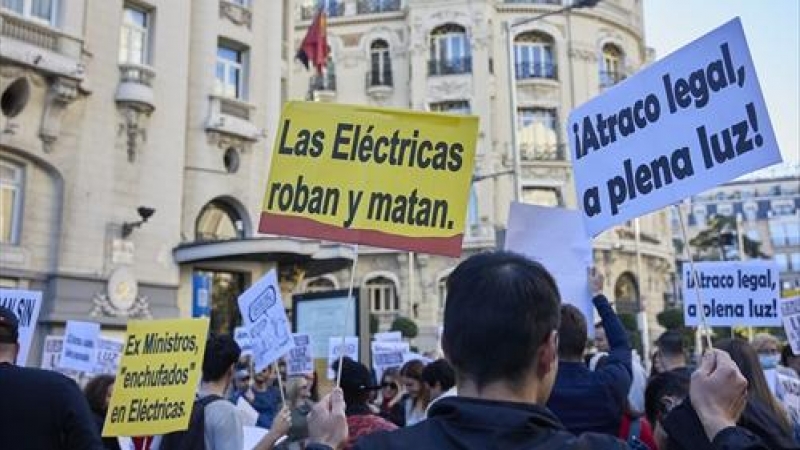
670 318
711 242
374 324
405 326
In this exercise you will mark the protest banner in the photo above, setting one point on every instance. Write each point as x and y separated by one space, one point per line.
299 360
384 177
51 357
556 238
157 378
336 348
79 350
787 391
387 355
265 319
242 337
388 336
691 121
25 305
790 311
734 294
108 353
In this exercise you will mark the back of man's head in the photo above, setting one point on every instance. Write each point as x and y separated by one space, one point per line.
670 343
663 392
441 372
572 333
9 334
222 352
501 307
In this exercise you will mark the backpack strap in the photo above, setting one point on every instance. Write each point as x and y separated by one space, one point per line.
635 428
207 400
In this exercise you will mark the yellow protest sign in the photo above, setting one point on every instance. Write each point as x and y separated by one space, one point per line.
157 377
384 177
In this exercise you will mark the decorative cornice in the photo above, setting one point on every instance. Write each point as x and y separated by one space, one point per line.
236 14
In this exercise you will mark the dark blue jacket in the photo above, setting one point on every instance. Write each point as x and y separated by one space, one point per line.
587 401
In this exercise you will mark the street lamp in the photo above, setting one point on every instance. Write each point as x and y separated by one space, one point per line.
512 85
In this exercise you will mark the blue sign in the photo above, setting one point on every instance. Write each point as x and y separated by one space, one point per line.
201 295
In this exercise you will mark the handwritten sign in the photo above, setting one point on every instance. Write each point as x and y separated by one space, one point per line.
336 348
79 351
790 310
299 360
265 318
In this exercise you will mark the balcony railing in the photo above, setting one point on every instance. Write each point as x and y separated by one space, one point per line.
526 71
610 78
533 152
450 66
135 73
326 82
376 78
26 30
332 9
377 6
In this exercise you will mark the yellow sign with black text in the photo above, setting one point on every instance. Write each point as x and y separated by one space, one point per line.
157 378
384 177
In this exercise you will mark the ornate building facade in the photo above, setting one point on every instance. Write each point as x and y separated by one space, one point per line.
451 56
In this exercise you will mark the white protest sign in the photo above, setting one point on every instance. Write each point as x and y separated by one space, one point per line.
556 238
691 121
388 336
263 315
387 347
25 305
299 360
242 337
335 349
790 310
107 354
787 390
79 351
733 293
387 355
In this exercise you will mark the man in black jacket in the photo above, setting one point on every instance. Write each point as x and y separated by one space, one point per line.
500 334
39 409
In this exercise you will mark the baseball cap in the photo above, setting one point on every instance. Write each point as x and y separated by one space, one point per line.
9 326
355 377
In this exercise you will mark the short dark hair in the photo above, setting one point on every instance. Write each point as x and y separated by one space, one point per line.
500 308
439 371
572 334
222 352
787 353
670 343
674 383
95 391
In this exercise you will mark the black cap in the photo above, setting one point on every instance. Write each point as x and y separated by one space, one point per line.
9 326
355 377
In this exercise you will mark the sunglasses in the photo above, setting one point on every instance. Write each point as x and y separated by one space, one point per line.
390 385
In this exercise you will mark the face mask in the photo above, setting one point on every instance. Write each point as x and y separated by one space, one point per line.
768 361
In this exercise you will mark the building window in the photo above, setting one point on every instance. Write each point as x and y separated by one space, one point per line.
542 196
39 10
784 233
611 66
533 56
782 259
538 134
794 259
380 73
333 8
11 179
377 6
441 287
451 107
382 295
450 52
327 80
700 216
230 74
225 289
473 220
219 221
134 42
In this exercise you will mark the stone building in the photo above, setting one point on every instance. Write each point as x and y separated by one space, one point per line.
451 56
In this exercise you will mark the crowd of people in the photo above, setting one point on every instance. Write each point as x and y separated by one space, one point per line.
519 372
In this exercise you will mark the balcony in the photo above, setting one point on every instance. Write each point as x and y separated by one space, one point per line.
377 6
531 152
136 86
610 78
40 46
453 66
379 84
323 87
332 9
527 71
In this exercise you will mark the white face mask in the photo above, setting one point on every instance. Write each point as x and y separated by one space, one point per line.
768 361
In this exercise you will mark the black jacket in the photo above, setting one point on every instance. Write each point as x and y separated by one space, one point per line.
472 424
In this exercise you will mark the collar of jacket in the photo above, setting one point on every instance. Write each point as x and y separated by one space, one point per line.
494 413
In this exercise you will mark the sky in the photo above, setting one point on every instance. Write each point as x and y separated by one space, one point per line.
772 28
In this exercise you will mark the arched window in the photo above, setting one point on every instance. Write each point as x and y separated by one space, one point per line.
219 221
612 66
538 134
626 294
534 56
382 294
381 65
450 52
11 188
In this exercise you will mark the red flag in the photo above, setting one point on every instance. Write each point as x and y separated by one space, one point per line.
314 48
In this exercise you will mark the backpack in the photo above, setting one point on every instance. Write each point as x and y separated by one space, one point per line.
633 435
192 438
